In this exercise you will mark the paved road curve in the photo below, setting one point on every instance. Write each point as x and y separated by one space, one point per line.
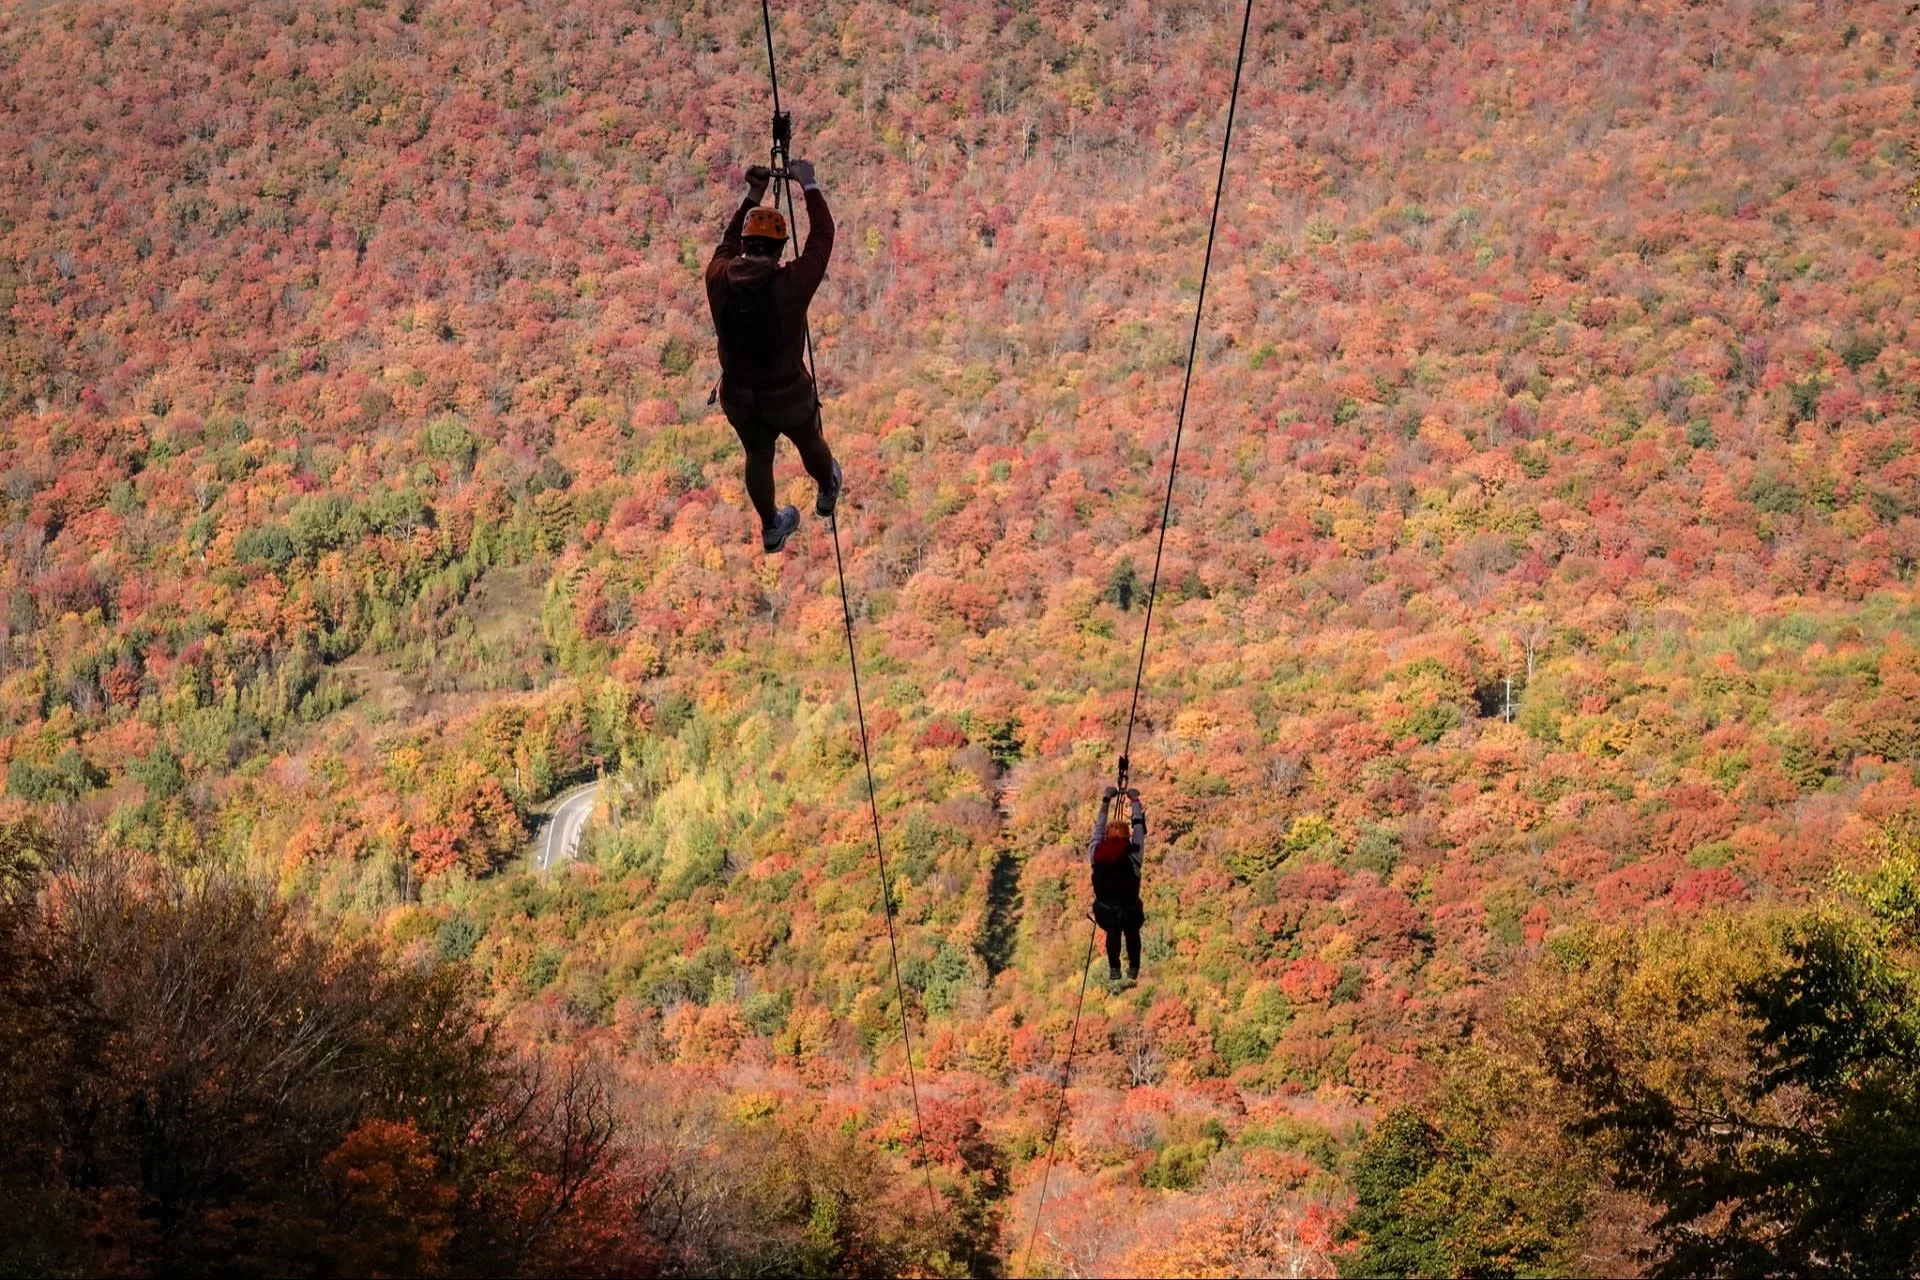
569 819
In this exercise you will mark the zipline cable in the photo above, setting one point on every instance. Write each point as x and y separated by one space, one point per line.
1180 425
886 893
1059 1113
1153 588
773 70
853 666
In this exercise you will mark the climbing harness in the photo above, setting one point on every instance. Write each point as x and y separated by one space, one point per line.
1153 591
782 145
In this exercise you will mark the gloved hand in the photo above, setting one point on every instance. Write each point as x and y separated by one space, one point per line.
801 171
1110 792
758 176
1132 793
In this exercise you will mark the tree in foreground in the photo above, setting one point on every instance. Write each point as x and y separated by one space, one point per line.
197 1083
1736 1096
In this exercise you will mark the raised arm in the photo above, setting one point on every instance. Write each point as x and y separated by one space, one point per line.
729 247
1100 822
1137 837
810 268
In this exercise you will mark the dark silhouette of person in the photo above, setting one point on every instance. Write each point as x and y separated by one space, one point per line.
759 309
1116 860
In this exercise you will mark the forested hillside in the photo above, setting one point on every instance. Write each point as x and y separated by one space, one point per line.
1539 602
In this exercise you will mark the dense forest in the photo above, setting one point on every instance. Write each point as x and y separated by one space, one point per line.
1529 739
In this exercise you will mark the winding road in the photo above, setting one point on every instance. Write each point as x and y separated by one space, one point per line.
562 835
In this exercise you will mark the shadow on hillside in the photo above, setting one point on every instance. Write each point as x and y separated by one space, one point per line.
1003 894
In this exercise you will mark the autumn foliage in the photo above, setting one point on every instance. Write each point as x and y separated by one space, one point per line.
1542 557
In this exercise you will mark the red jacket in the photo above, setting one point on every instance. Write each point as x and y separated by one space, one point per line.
1117 882
763 345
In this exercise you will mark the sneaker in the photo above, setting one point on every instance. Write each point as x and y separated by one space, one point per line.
1133 975
824 504
1113 974
775 536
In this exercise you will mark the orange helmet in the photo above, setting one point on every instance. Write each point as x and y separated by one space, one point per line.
764 223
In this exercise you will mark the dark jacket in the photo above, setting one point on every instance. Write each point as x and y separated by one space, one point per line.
760 307
1116 884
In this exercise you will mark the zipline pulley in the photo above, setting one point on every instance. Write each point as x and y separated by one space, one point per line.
782 139
782 148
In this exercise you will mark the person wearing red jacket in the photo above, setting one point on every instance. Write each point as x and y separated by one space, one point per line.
759 307
1116 860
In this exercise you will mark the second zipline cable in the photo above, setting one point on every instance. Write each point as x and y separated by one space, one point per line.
1146 629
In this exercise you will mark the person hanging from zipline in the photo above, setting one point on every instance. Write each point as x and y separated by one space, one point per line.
759 309
1116 860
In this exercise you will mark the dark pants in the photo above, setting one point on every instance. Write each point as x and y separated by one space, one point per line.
760 419
1121 921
